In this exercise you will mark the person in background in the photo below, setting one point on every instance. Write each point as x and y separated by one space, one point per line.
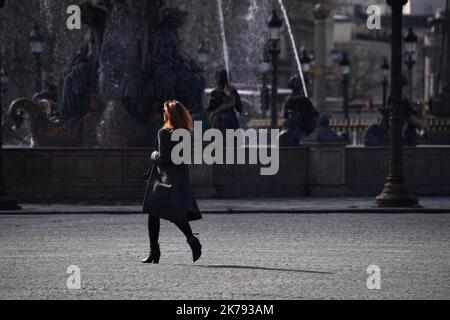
224 101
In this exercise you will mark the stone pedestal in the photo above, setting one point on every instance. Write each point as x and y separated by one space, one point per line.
326 161
326 168
202 181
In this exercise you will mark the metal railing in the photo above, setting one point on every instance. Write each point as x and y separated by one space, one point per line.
437 132
355 127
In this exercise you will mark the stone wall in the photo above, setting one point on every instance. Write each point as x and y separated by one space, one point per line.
240 181
98 175
426 169
74 174
103 175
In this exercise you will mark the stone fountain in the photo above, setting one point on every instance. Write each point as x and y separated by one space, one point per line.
111 92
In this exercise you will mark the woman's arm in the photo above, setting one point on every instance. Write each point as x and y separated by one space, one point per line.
163 155
223 107
231 103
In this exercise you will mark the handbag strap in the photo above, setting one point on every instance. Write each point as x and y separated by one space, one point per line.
150 169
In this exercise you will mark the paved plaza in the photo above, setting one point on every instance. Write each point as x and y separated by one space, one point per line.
246 256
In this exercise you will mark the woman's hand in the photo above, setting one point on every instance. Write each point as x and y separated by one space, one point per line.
154 155
146 176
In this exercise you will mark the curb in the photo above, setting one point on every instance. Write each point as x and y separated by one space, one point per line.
361 210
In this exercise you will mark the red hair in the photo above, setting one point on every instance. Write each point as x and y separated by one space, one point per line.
178 116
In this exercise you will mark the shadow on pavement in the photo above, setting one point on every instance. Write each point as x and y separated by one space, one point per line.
253 268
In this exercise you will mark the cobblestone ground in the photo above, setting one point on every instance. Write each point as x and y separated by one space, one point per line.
251 256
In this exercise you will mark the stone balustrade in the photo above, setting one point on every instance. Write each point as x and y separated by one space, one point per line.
100 174
437 133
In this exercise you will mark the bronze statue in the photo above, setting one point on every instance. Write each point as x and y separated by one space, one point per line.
378 134
79 79
299 113
224 101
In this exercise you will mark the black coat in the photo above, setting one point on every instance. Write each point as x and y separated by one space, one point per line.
168 194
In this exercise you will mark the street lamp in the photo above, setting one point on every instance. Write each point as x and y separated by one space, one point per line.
203 53
6 202
396 193
410 57
336 55
344 65
264 68
275 24
37 47
385 69
305 61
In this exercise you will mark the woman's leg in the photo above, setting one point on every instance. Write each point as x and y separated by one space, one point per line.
153 230
185 228
193 242
153 233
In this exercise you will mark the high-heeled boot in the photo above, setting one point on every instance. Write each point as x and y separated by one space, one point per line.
196 247
154 255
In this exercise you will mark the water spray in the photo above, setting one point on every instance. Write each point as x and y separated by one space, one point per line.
226 56
297 59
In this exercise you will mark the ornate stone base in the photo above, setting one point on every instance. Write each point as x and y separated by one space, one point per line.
396 195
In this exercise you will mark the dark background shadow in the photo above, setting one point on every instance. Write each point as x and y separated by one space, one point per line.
255 268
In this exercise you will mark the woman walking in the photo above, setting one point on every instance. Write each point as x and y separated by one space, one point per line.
169 193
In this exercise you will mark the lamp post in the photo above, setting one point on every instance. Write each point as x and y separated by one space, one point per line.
344 65
336 55
385 69
6 202
203 53
264 68
275 24
410 57
37 47
396 193
305 61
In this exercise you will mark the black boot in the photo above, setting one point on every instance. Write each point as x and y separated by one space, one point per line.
154 255
196 247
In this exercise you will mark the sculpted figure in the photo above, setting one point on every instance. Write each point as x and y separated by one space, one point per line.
78 80
299 113
224 101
